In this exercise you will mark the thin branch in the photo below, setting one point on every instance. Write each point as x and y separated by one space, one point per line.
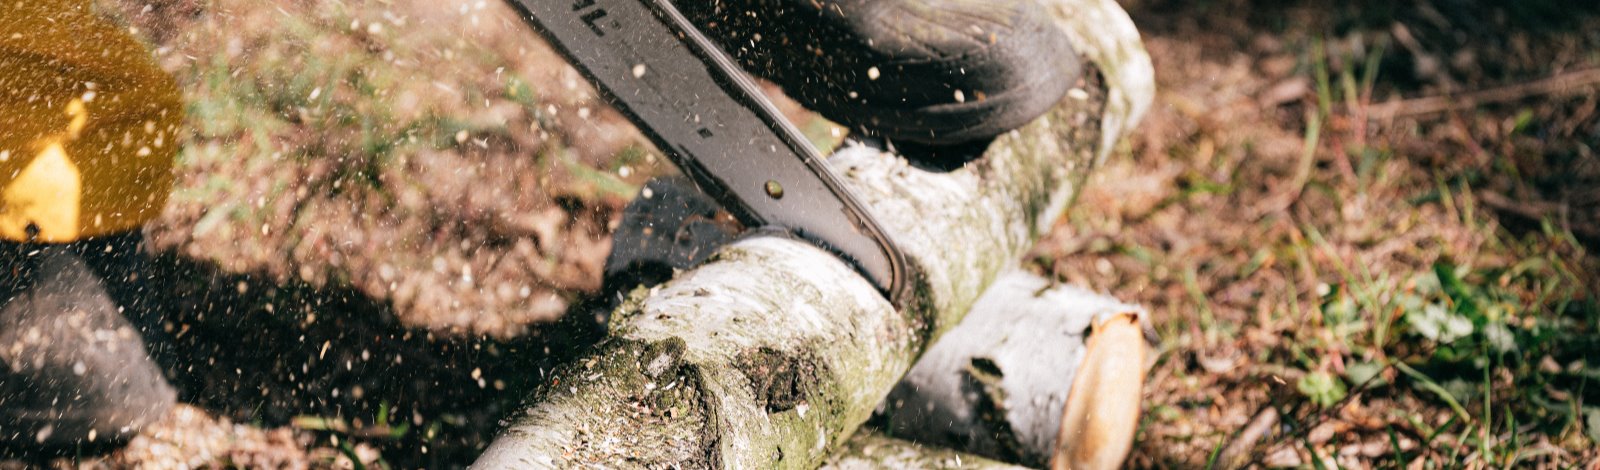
1562 84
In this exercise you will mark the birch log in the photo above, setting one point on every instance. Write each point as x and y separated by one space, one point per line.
773 352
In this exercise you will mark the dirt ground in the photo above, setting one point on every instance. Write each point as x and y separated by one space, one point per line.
1319 188
1365 225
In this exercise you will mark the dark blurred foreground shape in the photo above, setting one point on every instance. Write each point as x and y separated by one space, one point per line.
76 373
88 131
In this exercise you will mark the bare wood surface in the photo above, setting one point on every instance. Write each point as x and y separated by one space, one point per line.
998 383
1102 411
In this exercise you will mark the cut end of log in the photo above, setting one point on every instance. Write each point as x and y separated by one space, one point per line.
1102 411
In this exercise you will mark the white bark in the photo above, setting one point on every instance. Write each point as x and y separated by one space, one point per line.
773 352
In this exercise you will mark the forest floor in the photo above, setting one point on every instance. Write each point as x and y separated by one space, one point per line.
1363 225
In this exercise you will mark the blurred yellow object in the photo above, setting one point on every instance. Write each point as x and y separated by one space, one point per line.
88 125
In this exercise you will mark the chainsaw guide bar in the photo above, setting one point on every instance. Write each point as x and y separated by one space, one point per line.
708 117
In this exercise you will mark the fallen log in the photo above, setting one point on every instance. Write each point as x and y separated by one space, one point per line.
773 352
1014 381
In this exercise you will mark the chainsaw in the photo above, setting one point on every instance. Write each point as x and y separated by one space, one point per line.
709 118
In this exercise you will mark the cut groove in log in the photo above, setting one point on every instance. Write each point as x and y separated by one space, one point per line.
773 352
873 451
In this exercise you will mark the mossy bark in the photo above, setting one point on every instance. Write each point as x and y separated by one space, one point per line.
773 352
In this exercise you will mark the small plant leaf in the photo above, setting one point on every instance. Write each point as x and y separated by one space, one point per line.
1361 372
1435 322
1591 423
1322 388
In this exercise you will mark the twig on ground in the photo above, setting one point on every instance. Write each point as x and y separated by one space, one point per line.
1538 211
1317 418
1282 200
1560 84
1237 452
